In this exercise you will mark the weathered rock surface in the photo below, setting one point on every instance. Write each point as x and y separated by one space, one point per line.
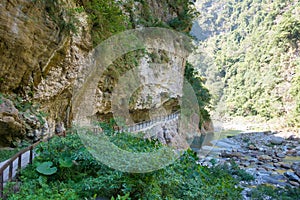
11 126
16 125
45 64
39 59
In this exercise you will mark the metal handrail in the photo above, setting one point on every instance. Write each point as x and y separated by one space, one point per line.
145 124
10 163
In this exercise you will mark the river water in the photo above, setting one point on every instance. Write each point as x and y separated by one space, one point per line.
207 139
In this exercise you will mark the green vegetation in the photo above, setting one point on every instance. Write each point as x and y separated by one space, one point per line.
106 18
201 92
64 17
268 192
109 17
27 108
175 14
7 153
249 53
75 174
1 96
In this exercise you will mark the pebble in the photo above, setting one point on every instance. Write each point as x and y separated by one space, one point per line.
253 160
246 164
296 168
291 152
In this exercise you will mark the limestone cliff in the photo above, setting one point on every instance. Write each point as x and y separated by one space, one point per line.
39 57
42 58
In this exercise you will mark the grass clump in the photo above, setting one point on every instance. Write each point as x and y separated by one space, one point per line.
269 192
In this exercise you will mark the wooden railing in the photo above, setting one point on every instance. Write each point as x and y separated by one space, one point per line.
18 156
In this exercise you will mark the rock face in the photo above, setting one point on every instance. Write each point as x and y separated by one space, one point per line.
39 58
44 63
28 39
11 126
16 125
154 91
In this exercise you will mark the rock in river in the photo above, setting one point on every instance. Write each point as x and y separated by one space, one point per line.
292 176
276 140
264 158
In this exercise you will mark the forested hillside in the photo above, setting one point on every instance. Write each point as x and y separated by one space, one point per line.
249 52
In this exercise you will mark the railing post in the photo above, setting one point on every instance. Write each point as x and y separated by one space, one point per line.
30 154
20 162
10 173
1 184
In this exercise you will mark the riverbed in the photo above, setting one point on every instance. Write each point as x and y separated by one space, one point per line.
271 157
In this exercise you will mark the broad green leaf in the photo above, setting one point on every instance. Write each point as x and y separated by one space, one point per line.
65 162
46 168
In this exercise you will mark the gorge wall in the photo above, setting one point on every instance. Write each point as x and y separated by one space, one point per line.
47 46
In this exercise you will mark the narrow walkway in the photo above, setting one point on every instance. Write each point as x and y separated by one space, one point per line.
143 126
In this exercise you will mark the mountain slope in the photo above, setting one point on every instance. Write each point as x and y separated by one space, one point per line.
249 51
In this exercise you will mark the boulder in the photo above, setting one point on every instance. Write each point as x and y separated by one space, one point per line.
264 158
276 140
252 147
280 155
285 165
11 126
233 154
292 176
296 168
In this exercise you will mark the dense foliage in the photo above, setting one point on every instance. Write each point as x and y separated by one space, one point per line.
109 17
202 94
64 169
249 52
63 16
106 18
